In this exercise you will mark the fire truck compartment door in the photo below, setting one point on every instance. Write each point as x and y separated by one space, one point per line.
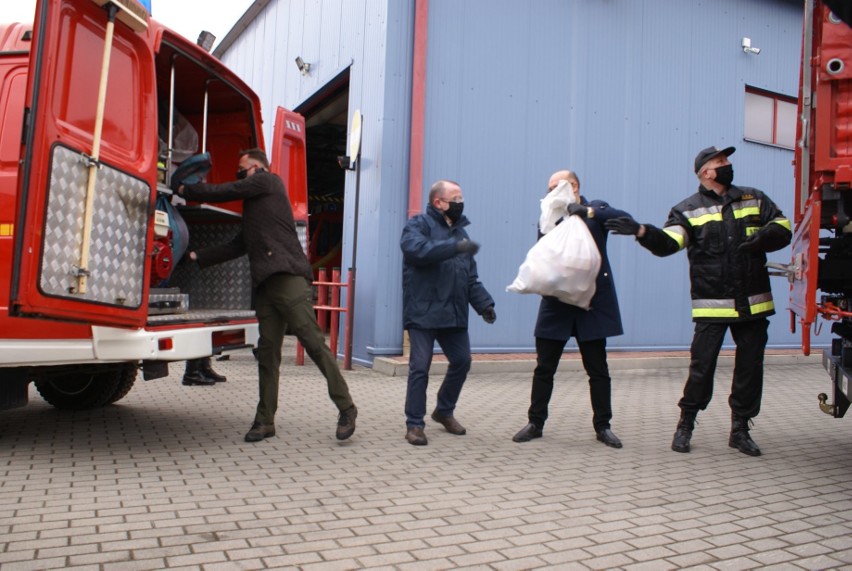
60 139
289 161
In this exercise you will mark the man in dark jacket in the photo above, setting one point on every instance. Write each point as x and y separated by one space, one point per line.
727 231
281 278
439 280
557 322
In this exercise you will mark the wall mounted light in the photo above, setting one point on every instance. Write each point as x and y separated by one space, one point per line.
303 66
747 47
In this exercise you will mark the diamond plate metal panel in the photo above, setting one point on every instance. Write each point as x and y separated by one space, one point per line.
223 286
119 226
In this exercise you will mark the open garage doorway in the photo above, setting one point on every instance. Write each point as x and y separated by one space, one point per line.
326 116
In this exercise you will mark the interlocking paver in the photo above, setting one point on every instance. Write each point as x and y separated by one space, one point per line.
164 479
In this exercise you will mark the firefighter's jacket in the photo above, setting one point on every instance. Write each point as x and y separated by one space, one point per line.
726 285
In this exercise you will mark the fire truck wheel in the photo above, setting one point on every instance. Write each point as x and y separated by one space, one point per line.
88 388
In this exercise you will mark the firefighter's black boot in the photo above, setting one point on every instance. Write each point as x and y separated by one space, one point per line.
193 374
207 370
685 426
740 438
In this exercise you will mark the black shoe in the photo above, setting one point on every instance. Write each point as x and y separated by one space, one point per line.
450 423
740 438
680 442
206 369
197 378
683 434
527 433
260 431
415 435
346 423
607 437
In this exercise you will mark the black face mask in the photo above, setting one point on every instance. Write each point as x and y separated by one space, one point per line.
725 175
242 173
454 211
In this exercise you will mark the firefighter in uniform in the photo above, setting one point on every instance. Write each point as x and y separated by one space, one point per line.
727 231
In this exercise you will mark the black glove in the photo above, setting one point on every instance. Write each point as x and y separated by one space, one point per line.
578 210
624 225
467 247
489 314
753 244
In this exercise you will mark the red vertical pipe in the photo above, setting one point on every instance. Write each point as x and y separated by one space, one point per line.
335 315
322 299
418 107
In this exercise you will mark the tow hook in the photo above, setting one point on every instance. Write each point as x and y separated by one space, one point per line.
823 404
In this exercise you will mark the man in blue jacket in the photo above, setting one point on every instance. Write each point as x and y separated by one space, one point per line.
557 322
439 280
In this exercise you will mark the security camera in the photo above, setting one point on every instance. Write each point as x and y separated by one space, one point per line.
747 47
303 66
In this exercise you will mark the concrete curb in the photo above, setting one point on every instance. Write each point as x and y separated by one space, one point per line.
571 362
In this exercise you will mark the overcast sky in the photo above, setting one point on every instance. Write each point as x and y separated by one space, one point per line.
186 17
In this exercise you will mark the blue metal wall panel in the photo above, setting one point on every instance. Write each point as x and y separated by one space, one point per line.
624 93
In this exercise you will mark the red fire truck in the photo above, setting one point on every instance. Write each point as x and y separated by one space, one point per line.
822 242
99 107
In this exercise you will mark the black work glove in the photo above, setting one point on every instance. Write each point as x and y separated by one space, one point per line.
489 315
623 225
578 210
467 247
753 244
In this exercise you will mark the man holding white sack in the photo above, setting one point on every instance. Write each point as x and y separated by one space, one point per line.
557 322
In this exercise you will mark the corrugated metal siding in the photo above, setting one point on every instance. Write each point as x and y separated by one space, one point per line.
375 37
625 93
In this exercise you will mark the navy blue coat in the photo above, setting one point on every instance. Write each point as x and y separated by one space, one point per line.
557 320
438 283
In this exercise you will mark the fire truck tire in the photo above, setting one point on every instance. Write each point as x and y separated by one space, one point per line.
87 389
125 380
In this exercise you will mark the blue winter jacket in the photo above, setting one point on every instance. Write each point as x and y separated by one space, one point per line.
438 283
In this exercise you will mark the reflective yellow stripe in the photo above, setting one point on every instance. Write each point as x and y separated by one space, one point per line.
783 222
700 220
752 230
676 236
762 307
714 312
749 211
7 229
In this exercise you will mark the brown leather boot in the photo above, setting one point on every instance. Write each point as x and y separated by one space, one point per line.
416 436
450 423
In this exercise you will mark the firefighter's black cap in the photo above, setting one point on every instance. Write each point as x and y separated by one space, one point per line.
710 152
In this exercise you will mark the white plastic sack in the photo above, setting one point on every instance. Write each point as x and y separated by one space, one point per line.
555 206
563 264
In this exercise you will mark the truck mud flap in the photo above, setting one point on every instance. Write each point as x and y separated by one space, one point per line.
154 370
841 378
14 388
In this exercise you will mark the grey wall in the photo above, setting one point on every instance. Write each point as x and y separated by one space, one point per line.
625 92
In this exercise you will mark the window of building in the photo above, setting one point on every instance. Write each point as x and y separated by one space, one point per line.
770 118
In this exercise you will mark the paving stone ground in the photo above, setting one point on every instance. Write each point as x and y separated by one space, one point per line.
164 480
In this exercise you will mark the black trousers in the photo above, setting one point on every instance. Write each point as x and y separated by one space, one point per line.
548 353
747 385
